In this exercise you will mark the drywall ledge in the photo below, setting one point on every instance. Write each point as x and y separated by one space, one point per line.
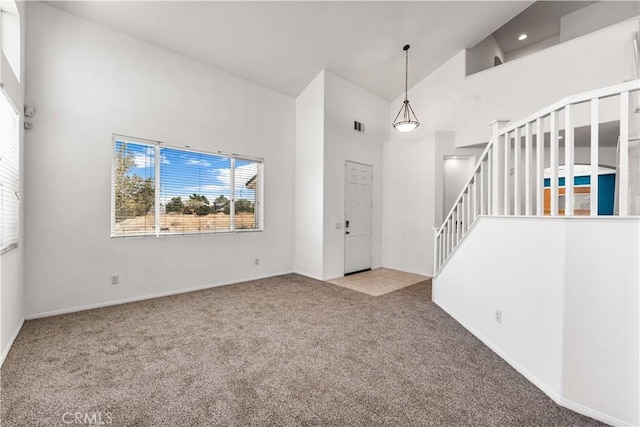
584 351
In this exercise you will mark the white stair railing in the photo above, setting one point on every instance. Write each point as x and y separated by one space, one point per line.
508 179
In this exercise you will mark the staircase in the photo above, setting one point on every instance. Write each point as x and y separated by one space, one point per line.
551 287
509 178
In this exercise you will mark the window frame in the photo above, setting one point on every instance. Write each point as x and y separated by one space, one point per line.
14 182
157 146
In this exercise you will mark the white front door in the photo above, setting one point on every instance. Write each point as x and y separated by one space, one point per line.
357 224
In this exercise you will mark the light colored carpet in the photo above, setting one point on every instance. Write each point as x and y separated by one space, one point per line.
283 351
379 281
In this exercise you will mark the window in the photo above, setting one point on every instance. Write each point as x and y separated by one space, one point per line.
161 190
10 35
9 174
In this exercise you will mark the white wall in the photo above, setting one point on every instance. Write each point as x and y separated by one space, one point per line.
344 103
475 283
408 192
459 108
596 16
86 82
481 56
413 194
11 263
532 48
570 320
309 182
600 353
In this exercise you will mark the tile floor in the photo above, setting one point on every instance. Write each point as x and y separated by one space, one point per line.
379 281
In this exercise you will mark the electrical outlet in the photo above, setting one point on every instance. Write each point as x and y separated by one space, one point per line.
115 280
499 316
257 261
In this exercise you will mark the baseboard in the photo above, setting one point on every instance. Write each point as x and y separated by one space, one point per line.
146 297
557 398
5 351
429 275
311 276
592 413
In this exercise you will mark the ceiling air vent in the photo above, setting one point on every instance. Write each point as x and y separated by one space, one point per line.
358 127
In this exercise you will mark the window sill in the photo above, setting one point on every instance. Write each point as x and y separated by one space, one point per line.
146 236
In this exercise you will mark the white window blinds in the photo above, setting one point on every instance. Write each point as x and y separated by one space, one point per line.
160 190
9 174
247 197
195 188
133 188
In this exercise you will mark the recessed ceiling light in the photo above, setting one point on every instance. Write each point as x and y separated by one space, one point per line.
522 36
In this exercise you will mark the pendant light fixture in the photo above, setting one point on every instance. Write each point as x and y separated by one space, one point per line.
406 120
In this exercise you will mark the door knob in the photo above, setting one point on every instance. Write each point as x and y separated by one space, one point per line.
346 232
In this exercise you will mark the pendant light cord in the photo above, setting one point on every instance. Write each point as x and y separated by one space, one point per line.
406 75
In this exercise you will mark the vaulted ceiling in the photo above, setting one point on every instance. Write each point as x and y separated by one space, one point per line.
284 45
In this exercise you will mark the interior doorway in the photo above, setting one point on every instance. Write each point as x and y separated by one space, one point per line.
456 170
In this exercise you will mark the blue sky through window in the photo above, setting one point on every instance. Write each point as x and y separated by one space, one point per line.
183 173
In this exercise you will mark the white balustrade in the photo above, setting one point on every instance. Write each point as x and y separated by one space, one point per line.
510 179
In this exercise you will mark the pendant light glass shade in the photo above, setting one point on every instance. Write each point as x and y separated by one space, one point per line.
406 119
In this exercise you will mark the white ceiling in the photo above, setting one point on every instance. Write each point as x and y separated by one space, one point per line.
284 45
